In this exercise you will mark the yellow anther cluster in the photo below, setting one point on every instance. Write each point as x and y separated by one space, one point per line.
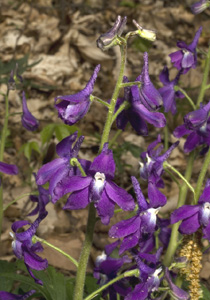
191 249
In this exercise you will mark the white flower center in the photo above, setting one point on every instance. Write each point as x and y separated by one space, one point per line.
99 180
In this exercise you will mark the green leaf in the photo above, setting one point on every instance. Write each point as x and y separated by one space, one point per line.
28 148
91 286
206 292
63 130
47 133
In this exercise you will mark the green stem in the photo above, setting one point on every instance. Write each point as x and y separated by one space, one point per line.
115 137
182 197
207 87
167 165
166 138
125 105
126 274
132 83
173 177
74 162
2 146
84 257
37 239
109 120
18 198
201 177
205 78
177 88
94 98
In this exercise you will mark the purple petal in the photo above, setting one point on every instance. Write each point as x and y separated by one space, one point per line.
193 45
72 184
48 170
111 247
34 261
85 93
19 224
139 293
176 59
177 292
125 227
155 118
122 120
154 151
198 7
61 173
129 242
164 76
143 205
188 60
105 208
64 148
28 120
156 198
190 225
137 122
78 199
181 131
205 196
119 196
192 141
168 95
184 212
10 296
8 169
206 232
104 163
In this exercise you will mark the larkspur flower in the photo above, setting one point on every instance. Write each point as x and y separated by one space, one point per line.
140 227
8 169
167 91
137 114
175 291
197 127
106 269
149 95
96 187
10 296
109 39
61 168
199 7
152 170
186 58
28 120
195 216
72 108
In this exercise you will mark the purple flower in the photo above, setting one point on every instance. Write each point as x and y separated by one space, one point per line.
109 39
176 292
10 296
149 95
167 91
60 168
72 108
195 216
137 114
96 187
199 7
106 269
28 120
140 227
152 168
186 58
8 169
197 127
23 246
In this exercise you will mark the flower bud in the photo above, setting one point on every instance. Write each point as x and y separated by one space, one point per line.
146 34
109 39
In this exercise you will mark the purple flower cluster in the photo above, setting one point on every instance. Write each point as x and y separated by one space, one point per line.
143 101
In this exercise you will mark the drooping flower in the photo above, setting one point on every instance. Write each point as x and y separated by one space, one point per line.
199 7
8 169
186 58
106 269
72 108
109 39
177 292
24 248
137 114
60 168
10 296
152 170
140 227
167 91
197 127
96 187
149 95
195 216
28 120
